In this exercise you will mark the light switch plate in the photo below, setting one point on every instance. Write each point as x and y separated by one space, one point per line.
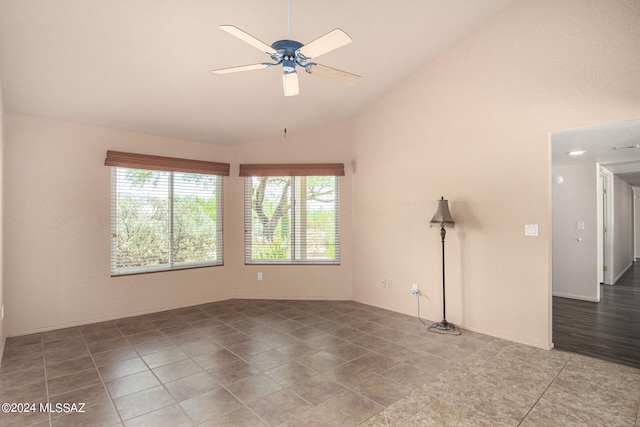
580 225
531 229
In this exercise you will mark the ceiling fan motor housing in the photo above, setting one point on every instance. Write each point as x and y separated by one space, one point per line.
288 55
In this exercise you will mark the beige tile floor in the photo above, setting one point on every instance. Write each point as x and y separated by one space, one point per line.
304 363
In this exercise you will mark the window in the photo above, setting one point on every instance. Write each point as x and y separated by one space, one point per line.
292 213
166 213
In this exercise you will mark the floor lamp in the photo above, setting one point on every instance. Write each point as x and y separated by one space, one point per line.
443 217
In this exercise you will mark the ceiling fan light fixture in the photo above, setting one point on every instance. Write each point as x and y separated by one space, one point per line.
290 83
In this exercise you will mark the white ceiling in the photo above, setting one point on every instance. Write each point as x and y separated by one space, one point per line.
599 144
145 65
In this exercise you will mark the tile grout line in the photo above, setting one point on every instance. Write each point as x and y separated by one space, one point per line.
191 359
449 389
242 402
100 376
284 388
46 380
272 322
162 382
217 381
453 388
155 376
545 390
244 405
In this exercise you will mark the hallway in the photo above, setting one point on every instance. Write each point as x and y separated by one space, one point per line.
607 330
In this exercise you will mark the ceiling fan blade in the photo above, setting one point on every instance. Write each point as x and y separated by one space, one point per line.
330 41
241 68
290 83
248 38
333 74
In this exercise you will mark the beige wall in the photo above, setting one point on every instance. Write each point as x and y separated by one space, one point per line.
57 224
57 195
329 144
473 126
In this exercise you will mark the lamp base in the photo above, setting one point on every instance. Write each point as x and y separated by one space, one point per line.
445 327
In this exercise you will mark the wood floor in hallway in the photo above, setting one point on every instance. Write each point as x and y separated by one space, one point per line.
609 329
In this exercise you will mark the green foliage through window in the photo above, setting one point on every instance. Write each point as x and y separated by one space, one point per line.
164 220
292 220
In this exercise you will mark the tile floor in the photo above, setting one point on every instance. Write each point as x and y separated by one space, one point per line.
304 363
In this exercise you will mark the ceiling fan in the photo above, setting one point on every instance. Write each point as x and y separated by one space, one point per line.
291 54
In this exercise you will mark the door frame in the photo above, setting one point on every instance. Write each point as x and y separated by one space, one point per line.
605 215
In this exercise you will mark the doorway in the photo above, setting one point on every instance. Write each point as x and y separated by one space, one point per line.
605 158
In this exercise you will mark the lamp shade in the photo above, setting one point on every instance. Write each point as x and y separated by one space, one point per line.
442 215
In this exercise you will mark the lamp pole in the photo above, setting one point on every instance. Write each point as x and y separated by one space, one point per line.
443 233
443 217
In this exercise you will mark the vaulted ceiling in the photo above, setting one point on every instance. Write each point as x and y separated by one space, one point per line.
145 65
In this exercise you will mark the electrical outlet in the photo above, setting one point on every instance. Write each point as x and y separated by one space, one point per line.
260 275
415 290
386 283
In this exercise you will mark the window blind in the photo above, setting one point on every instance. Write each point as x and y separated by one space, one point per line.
292 219
164 219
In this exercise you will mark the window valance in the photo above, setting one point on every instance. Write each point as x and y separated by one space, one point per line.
170 164
293 169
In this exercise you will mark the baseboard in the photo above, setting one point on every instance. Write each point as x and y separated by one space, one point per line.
3 339
578 297
106 318
290 298
2 342
155 310
487 332
623 271
121 316
507 337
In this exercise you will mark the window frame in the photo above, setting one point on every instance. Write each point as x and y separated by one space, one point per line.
294 172
168 165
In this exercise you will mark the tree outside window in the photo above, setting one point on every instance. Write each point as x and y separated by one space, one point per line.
292 219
